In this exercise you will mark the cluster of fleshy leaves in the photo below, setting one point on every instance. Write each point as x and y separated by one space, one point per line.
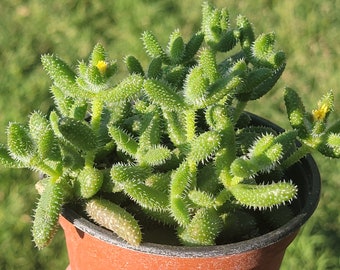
170 142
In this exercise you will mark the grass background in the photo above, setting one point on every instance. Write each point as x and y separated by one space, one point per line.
308 31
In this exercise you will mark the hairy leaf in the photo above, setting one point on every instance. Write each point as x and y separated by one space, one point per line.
20 143
115 218
89 182
204 146
264 196
126 90
202 229
163 95
133 65
47 213
78 133
124 140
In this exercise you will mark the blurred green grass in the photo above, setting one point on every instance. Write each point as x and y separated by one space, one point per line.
306 30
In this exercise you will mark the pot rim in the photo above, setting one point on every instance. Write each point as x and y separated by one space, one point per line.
307 166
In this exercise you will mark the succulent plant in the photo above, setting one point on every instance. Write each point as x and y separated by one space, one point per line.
170 143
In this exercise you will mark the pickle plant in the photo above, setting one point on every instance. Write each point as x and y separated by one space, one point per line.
170 143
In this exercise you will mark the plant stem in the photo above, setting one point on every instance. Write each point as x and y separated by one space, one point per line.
41 166
97 108
296 156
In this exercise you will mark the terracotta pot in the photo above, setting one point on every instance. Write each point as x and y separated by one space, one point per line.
93 247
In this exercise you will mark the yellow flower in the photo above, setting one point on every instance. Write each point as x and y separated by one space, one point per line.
320 113
102 66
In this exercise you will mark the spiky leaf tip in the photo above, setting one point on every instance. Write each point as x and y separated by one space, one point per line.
98 54
192 47
264 46
296 111
264 196
133 65
195 87
176 47
152 46
61 74
6 160
201 198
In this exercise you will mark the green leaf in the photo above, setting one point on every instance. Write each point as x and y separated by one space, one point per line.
180 210
47 213
62 75
175 127
263 156
20 143
146 196
204 146
175 75
330 145
127 90
155 68
159 181
203 228
181 180
296 111
44 137
246 35
6 160
264 196
131 178
152 46
176 47
226 43
163 95
78 133
129 173
195 88
201 198
260 82
89 182
264 45
124 140
193 46
134 66
207 61
150 132
221 88
115 218
155 155
98 54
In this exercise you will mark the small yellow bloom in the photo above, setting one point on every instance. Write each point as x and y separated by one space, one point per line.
320 113
102 66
